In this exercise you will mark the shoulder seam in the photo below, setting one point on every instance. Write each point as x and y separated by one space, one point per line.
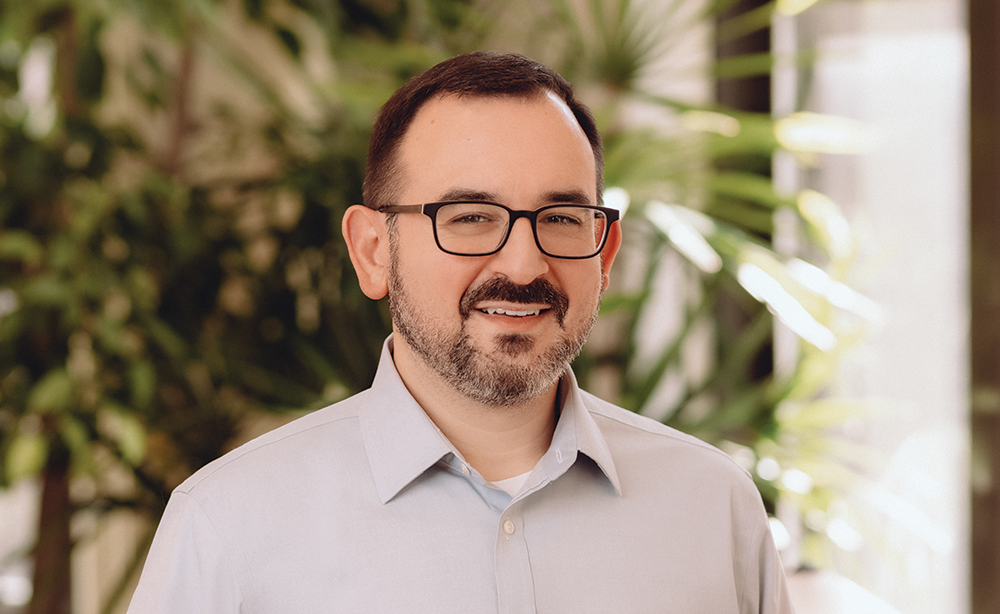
598 409
258 443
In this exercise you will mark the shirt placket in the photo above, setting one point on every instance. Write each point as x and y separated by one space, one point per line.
515 589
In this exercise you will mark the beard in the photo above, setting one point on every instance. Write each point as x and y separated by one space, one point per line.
499 379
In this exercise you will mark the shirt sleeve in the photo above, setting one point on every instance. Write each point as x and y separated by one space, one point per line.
774 596
765 589
188 569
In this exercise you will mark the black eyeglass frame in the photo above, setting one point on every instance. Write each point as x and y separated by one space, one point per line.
431 209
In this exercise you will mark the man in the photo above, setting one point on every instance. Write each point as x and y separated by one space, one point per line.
474 476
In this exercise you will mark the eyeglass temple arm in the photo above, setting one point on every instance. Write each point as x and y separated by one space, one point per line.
401 209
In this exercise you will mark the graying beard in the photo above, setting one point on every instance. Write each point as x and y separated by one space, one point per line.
461 364
513 345
505 385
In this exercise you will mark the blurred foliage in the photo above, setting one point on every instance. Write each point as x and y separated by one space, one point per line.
173 175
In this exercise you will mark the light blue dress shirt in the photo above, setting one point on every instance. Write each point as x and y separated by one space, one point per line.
364 506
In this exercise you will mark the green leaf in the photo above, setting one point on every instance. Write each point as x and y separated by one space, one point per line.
756 136
111 335
142 384
77 439
52 393
124 431
63 253
166 337
20 245
746 216
748 186
613 302
47 291
131 439
143 288
26 456
746 23
134 209
749 65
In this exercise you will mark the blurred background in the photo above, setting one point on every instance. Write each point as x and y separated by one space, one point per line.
809 280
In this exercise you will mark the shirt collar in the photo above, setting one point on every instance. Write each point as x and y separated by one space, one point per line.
402 442
577 432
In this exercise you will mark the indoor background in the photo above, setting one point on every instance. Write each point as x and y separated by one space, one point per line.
809 280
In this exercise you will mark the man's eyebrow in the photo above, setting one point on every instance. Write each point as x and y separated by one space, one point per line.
576 197
465 194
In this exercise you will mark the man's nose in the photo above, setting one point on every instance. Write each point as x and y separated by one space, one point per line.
520 259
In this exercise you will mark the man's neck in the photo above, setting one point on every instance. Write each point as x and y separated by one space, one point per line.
499 442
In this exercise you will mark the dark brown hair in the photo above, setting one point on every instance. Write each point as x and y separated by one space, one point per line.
479 74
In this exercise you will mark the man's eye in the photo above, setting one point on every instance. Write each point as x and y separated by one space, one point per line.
471 218
561 219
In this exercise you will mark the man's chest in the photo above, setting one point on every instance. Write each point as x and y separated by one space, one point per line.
448 550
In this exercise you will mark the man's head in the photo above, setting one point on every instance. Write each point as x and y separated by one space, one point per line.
481 74
500 326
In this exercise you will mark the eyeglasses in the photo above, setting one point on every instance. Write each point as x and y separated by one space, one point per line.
482 228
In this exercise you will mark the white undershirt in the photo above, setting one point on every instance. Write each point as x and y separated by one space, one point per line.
513 485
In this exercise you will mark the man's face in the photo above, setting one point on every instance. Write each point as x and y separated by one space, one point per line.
500 329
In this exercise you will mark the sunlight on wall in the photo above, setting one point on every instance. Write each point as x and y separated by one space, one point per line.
18 511
897 69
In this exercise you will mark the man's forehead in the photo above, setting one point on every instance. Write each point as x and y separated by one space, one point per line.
465 117
515 147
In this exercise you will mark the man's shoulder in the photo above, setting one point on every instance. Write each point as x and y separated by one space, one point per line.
634 434
323 432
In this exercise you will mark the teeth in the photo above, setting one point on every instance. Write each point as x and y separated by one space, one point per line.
511 312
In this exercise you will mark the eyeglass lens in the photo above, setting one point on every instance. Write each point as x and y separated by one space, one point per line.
481 228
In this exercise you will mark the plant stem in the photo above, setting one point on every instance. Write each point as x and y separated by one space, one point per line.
51 576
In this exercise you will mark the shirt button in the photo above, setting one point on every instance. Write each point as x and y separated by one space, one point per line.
465 469
508 527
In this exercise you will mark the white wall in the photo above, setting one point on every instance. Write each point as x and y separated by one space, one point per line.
18 520
901 66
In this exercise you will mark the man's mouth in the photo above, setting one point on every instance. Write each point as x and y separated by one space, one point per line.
497 311
499 296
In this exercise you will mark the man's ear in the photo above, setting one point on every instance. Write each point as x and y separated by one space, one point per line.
609 252
366 235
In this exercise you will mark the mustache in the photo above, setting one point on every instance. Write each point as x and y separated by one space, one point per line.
503 289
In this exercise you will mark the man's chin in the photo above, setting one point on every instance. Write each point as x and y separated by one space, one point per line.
514 345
